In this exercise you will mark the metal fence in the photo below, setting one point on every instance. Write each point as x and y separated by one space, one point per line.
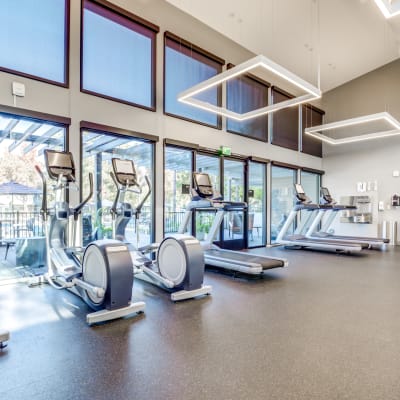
173 220
20 224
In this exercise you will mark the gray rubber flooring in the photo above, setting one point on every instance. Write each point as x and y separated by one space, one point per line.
326 327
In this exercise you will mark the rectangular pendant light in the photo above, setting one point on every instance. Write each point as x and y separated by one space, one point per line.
315 131
311 91
389 8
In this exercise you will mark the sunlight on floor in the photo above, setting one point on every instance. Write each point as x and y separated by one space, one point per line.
12 309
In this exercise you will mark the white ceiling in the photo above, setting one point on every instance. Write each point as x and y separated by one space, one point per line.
349 37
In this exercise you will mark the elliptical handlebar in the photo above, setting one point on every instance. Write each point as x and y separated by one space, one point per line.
140 205
77 210
114 206
138 208
43 209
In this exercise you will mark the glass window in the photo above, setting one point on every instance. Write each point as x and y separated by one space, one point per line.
22 143
311 184
98 148
25 27
285 123
185 65
245 94
117 57
177 178
282 197
311 116
257 204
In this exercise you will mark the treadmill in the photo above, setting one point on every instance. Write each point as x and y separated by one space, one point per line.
297 240
205 199
327 200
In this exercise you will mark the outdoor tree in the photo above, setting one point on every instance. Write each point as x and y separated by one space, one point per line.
19 167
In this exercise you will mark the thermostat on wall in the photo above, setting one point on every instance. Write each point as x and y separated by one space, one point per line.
396 173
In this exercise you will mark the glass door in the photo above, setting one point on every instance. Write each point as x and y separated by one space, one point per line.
257 215
210 165
282 198
177 179
235 222
98 148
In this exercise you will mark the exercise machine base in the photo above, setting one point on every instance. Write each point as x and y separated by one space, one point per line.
179 294
107 315
189 294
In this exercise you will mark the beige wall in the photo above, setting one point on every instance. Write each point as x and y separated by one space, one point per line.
78 106
369 161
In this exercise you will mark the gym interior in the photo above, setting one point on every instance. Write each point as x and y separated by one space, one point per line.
199 200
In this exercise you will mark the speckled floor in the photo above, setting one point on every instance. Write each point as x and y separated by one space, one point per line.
326 327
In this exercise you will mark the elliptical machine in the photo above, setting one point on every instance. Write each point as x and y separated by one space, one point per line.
179 263
101 274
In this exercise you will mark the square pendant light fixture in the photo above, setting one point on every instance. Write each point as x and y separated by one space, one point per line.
315 131
311 91
389 8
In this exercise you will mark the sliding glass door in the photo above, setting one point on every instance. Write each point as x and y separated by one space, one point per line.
234 190
210 165
229 178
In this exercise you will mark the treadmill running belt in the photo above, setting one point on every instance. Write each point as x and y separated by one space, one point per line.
264 262
326 240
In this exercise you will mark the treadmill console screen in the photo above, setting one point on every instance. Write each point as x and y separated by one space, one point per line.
326 196
203 184
300 193
324 192
299 189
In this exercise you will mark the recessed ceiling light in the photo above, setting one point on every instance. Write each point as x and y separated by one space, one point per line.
312 92
315 131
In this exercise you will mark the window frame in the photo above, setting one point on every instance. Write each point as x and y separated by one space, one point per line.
260 82
87 126
64 84
136 20
204 53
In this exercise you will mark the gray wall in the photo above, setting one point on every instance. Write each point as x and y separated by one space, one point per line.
369 161
79 106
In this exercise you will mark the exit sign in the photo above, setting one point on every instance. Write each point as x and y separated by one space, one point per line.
225 151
